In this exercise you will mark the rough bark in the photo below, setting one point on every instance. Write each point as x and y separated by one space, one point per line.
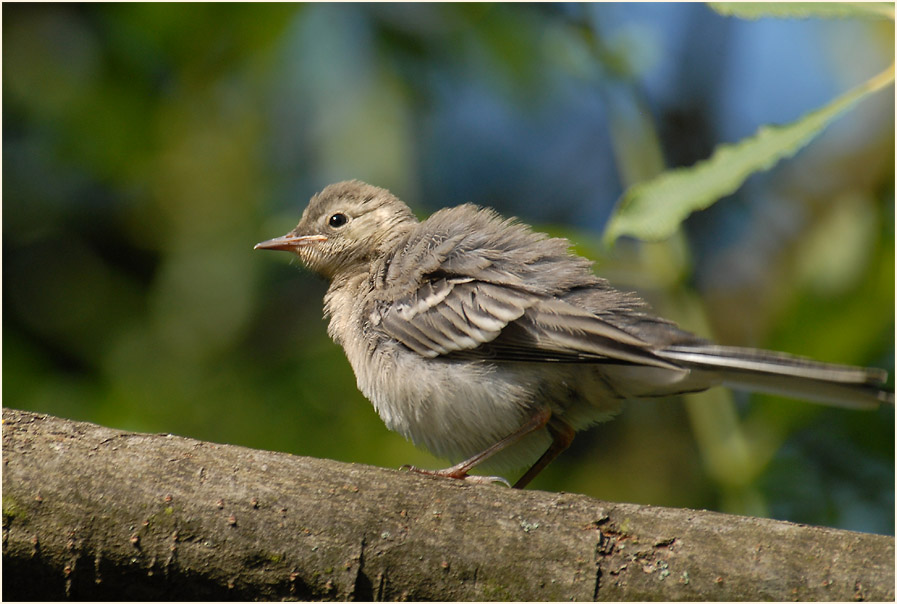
95 513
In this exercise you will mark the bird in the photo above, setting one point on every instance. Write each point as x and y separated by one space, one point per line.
486 342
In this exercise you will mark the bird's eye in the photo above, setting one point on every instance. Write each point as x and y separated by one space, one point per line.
338 220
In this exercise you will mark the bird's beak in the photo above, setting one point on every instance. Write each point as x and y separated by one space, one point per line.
289 243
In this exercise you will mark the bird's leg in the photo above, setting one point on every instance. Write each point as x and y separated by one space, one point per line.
562 435
460 470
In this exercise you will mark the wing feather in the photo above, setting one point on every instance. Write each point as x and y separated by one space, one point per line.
412 337
465 325
464 316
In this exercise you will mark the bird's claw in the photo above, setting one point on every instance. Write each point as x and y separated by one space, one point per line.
457 475
476 479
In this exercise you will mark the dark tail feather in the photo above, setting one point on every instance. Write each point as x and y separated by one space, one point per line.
778 373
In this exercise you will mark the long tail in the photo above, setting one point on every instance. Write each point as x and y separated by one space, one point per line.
778 373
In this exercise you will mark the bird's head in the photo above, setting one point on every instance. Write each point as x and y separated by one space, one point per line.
345 226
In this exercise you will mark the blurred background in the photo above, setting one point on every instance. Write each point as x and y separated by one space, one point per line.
147 147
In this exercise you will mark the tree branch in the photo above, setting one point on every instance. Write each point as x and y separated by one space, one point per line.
95 513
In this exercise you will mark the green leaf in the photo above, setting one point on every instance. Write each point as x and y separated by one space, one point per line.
803 10
654 209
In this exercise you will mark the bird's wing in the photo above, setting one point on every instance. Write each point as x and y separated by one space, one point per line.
462 316
451 314
468 283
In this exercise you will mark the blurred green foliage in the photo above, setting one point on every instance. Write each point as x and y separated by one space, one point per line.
147 147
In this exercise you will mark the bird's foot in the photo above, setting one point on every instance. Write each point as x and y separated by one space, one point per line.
458 474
